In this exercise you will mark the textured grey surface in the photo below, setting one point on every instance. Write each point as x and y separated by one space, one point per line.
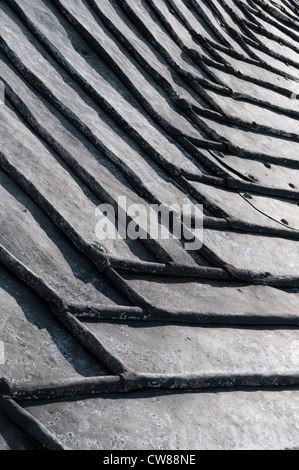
175 350
61 267
230 420
255 253
273 176
12 438
214 296
35 346
163 102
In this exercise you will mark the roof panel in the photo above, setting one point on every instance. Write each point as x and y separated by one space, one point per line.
114 342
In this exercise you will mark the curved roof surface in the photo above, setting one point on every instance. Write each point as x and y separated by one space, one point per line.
145 343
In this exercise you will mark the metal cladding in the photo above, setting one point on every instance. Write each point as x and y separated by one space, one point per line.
138 341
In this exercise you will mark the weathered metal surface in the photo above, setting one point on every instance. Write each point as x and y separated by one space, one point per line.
161 102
